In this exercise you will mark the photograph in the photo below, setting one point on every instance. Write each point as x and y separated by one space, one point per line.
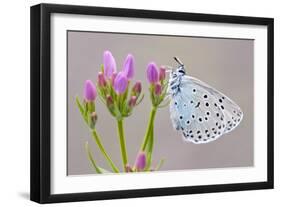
140 103
134 103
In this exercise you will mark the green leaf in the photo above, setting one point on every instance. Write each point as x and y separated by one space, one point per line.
140 99
101 91
112 110
102 99
164 93
161 162
97 139
102 68
82 110
98 169
104 170
91 159
164 104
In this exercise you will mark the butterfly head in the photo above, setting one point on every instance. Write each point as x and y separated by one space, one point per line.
176 77
179 71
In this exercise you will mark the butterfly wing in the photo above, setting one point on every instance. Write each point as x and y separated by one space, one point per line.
202 113
232 112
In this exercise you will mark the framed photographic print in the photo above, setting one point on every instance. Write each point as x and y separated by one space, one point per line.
132 103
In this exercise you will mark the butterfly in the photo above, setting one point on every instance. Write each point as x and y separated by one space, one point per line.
201 113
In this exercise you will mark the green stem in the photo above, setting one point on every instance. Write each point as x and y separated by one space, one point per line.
149 147
96 137
149 128
122 143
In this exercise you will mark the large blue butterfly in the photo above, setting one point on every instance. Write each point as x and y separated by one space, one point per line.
200 112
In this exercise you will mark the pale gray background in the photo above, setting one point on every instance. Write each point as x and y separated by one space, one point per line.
225 64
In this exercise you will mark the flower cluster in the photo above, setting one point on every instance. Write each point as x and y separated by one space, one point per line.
113 87
158 91
120 96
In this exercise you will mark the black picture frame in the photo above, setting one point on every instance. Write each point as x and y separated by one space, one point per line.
41 98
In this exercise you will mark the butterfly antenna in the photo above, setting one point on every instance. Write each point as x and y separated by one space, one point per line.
178 61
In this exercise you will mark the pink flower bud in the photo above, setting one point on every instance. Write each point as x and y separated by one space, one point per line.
162 73
109 64
152 73
94 116
132 101
128 168
158 89
137 88
129 68
109 100
140 161
120 83
90 92
113 77
101 80
93 120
